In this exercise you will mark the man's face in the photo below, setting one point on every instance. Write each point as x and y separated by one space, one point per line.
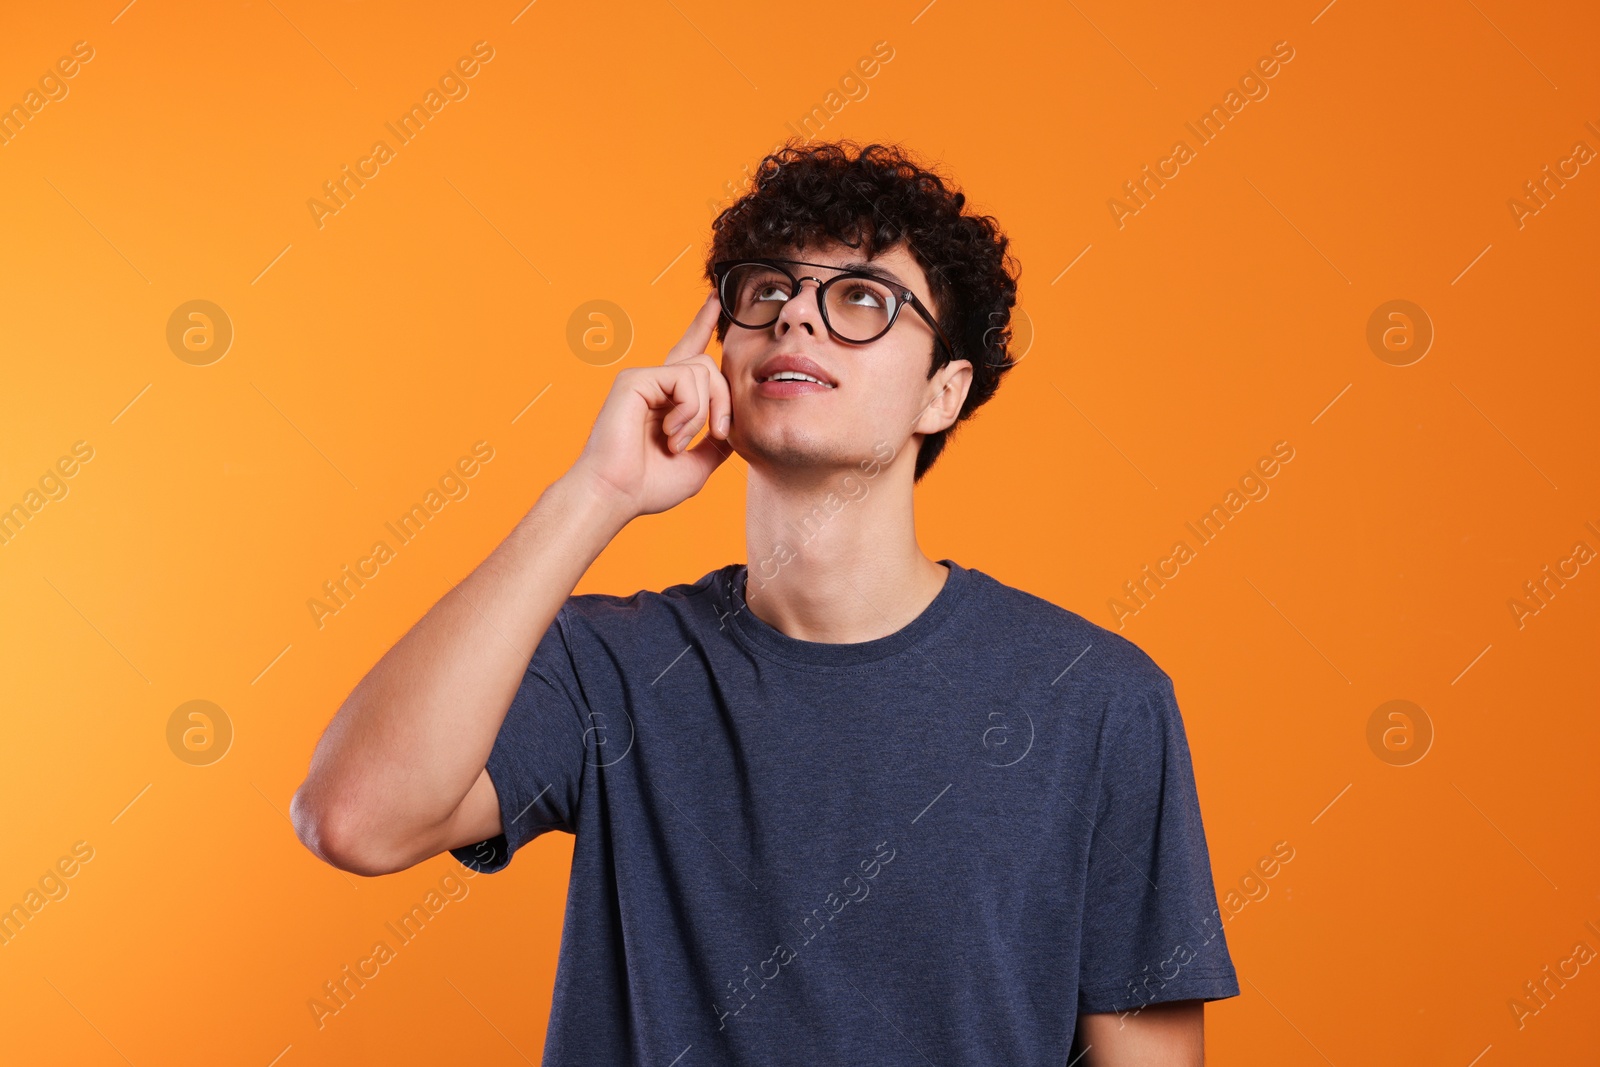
880 392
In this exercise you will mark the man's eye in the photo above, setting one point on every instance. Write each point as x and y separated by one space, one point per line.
864 295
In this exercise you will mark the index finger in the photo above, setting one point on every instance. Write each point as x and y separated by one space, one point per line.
698 336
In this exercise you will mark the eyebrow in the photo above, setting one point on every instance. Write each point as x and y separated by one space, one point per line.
861 266
877 272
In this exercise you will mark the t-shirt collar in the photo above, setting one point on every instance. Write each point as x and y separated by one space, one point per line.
762 637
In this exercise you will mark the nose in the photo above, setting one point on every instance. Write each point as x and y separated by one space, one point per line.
801 310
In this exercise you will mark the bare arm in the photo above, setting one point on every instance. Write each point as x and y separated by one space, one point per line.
398 775
388 777
1169 1034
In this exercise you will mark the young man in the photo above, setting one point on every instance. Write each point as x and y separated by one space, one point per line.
842 803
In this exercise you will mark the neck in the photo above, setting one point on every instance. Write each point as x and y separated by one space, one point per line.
834 558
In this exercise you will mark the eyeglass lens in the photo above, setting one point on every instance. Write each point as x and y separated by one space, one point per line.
858 309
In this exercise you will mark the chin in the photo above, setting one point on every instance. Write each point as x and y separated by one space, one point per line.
798 451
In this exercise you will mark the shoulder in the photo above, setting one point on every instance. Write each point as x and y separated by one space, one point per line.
645 615
1094 660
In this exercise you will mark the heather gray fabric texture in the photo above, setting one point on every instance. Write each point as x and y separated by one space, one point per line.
937 846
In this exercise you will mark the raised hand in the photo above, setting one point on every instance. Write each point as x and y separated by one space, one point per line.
638 448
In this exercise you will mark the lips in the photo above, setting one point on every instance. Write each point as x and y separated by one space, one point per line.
799 364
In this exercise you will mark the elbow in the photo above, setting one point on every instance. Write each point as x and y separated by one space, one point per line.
332 837
314 827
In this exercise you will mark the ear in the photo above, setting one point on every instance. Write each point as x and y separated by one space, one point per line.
947 391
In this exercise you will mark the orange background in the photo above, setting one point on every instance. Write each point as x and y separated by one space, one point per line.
1228 314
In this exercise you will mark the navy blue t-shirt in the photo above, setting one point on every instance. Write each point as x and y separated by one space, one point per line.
936 846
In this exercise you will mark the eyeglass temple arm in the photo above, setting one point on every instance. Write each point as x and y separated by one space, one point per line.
916 305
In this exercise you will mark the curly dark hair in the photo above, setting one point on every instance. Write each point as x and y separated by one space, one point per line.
877 197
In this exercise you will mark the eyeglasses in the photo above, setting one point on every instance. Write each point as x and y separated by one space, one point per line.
858 306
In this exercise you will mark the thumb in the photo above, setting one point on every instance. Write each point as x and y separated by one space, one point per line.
709 454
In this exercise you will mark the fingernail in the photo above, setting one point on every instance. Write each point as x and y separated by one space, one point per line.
723 425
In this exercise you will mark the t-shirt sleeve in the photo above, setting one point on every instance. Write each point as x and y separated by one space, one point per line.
1152 931
538 757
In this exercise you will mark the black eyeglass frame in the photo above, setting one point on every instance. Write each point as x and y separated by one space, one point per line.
903 297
